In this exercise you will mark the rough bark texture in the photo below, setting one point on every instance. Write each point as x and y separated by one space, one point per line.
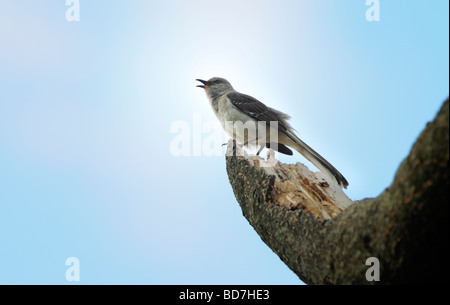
325 238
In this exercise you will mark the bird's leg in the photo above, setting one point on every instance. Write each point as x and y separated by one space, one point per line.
260 149
255 140
271 154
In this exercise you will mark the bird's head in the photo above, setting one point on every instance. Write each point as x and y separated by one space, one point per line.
215 86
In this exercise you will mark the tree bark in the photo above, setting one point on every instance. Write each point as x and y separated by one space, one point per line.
325 238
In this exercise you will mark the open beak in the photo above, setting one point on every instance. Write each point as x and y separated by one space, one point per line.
204 82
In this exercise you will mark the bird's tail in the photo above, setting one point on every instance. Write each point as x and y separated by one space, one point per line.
316 159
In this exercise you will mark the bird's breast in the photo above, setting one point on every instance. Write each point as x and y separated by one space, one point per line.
236 123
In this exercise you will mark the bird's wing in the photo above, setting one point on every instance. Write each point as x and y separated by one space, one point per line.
258 111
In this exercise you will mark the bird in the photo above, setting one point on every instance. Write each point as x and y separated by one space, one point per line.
232 107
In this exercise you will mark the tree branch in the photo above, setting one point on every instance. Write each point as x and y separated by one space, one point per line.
325 238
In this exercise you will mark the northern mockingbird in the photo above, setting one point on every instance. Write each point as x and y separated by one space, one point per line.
233 107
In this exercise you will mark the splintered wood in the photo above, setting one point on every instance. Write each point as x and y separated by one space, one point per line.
297 188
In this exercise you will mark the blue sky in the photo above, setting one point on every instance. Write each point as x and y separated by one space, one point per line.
86 110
